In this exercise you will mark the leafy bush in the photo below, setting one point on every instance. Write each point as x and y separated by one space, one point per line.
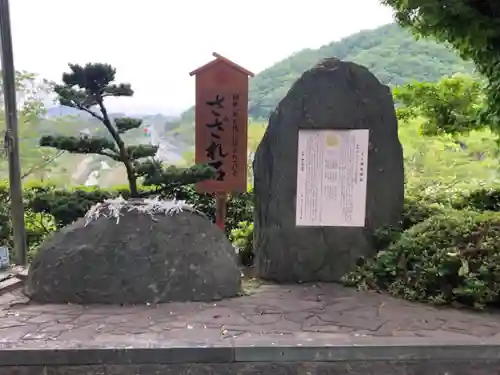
417 208
5 224
482 199
66 206
242 239
38 225
451 256
239 208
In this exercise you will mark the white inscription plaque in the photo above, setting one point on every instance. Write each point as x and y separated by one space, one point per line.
331 178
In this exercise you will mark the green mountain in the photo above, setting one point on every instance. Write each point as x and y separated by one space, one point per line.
390 52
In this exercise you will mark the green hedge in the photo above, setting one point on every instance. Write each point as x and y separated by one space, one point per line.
451 256
48 208
446 250
480 199
417 208
66 206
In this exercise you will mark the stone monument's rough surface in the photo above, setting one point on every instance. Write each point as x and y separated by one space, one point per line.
141 259
333 95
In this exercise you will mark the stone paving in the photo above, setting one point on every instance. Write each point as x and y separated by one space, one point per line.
273 314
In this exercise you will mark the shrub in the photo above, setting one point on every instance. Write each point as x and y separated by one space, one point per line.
242 239
451 256
5 224
416 209
482 199
66 206
38 225
239 208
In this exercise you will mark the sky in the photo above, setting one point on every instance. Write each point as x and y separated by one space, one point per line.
154 46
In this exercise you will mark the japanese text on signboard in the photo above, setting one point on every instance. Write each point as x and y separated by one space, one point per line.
234 165
214 152
222 146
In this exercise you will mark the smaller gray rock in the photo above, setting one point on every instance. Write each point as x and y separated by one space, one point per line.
140 259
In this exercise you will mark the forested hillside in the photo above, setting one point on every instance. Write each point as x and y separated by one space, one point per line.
390 52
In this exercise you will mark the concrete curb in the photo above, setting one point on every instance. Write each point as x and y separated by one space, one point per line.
237 354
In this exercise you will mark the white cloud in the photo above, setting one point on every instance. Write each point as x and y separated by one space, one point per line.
154 44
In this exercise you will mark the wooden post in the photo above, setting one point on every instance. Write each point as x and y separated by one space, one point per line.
221 210
221 116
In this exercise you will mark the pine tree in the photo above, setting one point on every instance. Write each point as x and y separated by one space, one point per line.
85 88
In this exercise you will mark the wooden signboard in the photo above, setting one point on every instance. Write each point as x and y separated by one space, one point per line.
221 116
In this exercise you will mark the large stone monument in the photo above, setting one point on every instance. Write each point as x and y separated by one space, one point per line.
328 173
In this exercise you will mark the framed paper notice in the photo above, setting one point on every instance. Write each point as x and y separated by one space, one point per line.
331 178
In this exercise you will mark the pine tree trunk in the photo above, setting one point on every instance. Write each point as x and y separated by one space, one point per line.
132 181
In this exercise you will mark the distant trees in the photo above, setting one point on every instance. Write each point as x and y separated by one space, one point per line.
450 106
32 92
471 27
438 127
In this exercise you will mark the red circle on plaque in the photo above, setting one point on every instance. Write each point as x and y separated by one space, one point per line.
222 76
